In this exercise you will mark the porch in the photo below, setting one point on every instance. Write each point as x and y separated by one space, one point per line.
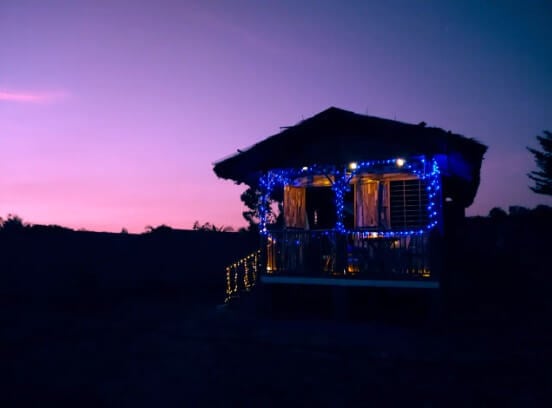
357 258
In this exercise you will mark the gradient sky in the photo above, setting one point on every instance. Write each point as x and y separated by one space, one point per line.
112 112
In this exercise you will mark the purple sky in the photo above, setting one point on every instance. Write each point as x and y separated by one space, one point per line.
112 112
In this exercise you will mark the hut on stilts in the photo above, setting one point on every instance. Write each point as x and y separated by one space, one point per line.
365 202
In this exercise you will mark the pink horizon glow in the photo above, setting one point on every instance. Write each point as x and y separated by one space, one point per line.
111 115
33 97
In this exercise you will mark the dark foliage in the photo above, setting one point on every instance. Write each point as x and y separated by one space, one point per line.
501 264
13 223
160 229
58 262
498 213
543 159
50 228
101 319
250 199
211 227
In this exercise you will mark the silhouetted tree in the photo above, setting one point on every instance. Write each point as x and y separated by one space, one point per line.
211 227
250 199
498 213
543 159
543 211
518 211
12 223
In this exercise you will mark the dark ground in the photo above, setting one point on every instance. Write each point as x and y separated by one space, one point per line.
163 341
164 349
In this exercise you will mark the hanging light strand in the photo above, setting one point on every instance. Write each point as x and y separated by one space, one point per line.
430 174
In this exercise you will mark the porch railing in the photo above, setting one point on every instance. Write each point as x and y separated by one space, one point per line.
357 254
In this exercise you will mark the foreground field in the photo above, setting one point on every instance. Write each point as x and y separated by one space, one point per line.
168 349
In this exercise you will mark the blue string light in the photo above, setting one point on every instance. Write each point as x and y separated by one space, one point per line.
340 185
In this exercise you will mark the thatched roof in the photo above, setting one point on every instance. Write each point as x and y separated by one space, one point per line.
337 136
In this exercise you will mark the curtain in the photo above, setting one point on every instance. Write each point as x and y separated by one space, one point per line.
383 204
295 214
366 204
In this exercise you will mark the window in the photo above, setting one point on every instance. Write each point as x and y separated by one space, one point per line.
408 203
370 203
309 207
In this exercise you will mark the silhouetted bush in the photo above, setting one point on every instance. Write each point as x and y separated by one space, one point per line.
498 213
13 223
211 227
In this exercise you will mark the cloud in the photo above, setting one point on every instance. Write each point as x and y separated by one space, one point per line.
31 97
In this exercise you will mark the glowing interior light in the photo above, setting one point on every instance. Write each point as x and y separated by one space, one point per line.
353 165
304 168
400 162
